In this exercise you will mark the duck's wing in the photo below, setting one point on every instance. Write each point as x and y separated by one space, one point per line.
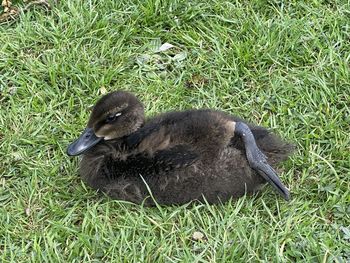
178 156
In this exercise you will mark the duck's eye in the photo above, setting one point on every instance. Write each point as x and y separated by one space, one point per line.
112 117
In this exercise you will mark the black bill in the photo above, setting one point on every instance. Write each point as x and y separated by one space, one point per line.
86 140
257 160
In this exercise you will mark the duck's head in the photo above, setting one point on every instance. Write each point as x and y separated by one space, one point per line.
115 115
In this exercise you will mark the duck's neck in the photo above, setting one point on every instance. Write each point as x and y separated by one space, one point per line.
124 146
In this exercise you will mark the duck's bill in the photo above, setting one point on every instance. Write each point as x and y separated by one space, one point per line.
87 140
271 177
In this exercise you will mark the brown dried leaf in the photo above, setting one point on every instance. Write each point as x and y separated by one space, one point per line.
196 81
9 14
198 236
27 211
103 90
6 4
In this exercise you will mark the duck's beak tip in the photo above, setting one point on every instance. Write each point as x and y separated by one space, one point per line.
86 140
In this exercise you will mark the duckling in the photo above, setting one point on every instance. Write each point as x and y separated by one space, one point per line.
175 157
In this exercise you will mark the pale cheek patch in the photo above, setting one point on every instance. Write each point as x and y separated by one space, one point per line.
106 132
106 138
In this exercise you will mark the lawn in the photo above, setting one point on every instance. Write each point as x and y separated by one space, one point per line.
282 65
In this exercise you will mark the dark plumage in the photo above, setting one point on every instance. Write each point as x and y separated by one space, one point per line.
181 156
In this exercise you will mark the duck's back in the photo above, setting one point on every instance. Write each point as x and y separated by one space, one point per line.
204 132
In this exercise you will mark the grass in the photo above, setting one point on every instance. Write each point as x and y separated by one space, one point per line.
282 65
